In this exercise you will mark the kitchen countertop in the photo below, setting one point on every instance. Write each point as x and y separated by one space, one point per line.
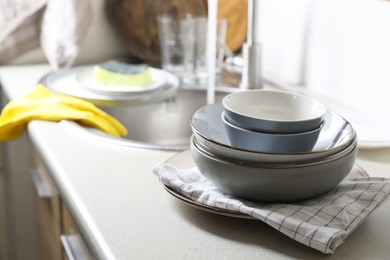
123 212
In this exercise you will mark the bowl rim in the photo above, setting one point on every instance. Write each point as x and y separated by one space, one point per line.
322 109
240 158
331 158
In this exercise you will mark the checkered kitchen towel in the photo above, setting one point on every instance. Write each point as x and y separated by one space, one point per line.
322 223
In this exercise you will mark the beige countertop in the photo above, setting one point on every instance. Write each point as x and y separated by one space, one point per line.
123 212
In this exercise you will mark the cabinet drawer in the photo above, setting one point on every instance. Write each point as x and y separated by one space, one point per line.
72 242
48 208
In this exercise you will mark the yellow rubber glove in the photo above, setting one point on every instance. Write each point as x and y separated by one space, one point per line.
42 104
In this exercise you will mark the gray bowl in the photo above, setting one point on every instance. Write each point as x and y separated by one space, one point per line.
274 184
276 161
269 142
274 111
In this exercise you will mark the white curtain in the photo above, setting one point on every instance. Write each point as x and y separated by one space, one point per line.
282 31
339 48
328 45
348 54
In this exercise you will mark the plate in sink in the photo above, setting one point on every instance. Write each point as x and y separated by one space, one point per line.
86 79
65 82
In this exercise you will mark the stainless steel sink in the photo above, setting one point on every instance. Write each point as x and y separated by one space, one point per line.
163 125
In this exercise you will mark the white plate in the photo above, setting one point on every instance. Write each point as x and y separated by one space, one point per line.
65 82
87 80
198 205
183 160
369 119
372 128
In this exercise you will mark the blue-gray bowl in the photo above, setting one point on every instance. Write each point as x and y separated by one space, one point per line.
269 142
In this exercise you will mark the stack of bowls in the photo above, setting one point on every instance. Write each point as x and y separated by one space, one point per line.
272 146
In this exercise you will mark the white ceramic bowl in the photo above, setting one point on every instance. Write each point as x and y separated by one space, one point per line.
270 142
273 111
274 184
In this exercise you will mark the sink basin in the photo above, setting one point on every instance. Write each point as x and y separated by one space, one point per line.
162 125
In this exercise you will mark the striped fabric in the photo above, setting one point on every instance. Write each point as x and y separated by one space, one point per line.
20 27
322 223
57 26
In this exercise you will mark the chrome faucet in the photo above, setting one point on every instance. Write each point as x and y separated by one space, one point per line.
251 51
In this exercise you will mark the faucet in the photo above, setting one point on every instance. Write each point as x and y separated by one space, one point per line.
251 51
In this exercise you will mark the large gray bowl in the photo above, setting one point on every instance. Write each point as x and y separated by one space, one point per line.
274 111
274 184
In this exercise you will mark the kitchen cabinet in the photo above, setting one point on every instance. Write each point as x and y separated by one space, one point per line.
17 211
33 219
72 242
48 210
3 224
58 235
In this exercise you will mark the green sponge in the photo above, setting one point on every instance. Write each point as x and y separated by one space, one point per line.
120 73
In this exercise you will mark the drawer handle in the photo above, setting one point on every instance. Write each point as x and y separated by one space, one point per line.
74 247
41 184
